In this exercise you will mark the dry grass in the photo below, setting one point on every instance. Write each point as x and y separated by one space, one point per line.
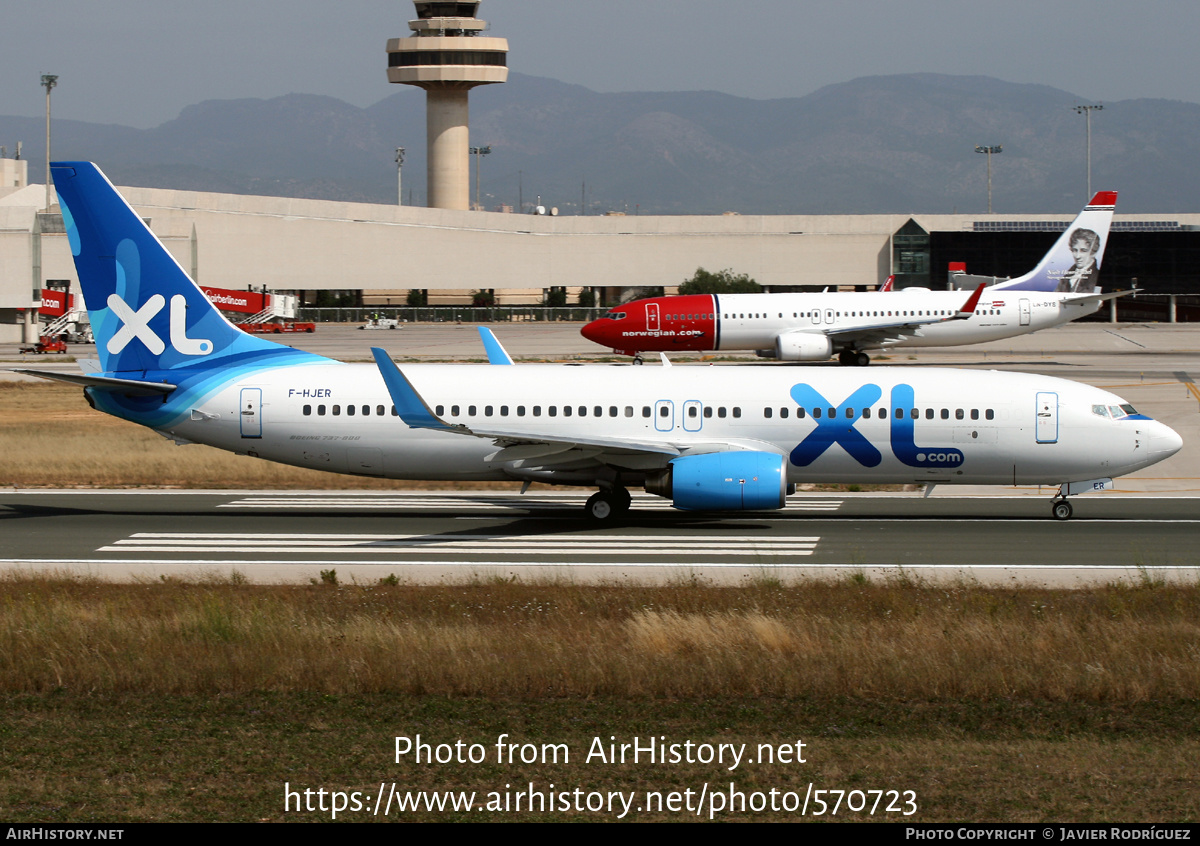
896 641
173 701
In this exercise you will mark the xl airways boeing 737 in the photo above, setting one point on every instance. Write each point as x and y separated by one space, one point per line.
708 438
817 326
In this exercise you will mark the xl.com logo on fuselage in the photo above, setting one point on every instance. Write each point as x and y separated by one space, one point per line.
838 427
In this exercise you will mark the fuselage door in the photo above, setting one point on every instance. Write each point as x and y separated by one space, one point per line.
250 413
829 315
652 317
1047 418
693 415
664 415
1025 312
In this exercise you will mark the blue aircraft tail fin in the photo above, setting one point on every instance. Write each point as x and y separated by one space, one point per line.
146 312
1073 263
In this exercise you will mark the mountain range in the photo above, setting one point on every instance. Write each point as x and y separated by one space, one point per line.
886 144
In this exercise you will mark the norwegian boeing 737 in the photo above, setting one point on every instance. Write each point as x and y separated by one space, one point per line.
708 438
817 326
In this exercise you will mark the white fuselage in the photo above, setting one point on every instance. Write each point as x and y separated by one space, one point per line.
754 321
971 427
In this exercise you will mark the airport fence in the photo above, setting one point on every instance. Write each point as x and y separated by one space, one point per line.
452 314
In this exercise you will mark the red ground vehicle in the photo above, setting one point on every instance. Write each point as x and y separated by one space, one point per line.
47 344
276 328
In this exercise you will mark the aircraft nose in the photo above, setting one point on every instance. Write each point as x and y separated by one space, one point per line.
1164 441
594 331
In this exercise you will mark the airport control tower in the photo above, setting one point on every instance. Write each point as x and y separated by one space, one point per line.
447 56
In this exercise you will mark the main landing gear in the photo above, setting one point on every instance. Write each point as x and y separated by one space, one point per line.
608 505
853 358
637 359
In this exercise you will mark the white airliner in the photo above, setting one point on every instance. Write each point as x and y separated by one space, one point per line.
708 438
817 326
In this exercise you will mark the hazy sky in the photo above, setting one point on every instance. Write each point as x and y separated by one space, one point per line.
139 62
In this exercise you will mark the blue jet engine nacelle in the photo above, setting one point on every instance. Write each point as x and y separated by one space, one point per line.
724 481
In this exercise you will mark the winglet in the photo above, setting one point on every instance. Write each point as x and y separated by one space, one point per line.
409 405
495 352
971 304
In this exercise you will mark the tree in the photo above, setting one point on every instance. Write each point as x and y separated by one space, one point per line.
721 282
416 298
483 298
556 297
587 298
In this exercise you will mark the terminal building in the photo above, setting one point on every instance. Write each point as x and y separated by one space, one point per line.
381 253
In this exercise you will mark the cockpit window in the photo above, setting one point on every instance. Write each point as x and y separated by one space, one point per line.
1116 412
1128 409
616 315
1100 410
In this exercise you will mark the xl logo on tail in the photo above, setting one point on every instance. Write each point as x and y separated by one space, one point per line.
136 324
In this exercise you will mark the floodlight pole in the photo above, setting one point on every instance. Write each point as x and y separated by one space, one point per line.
399 176
1087 112
479 153
999 148
49 80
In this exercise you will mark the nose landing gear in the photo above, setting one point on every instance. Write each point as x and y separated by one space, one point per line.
1061 509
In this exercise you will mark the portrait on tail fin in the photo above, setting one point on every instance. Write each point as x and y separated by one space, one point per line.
1081 277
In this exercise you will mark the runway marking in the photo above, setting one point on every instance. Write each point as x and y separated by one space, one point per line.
558 545
458 503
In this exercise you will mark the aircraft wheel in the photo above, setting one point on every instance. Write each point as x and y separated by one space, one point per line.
602 507
862 360
1061 509
637 359
846 358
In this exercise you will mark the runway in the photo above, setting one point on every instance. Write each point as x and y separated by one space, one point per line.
424 537
1148 528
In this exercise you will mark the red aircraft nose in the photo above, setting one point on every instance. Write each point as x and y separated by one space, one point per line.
600 331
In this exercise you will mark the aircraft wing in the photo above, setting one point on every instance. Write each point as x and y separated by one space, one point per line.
127 387
416 413
893 331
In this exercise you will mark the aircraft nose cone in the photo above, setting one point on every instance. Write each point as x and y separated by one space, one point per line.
594 331
1164 442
